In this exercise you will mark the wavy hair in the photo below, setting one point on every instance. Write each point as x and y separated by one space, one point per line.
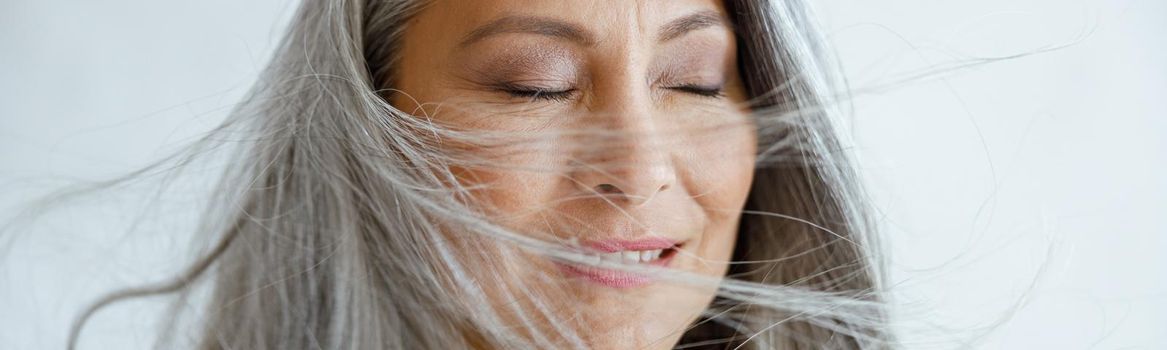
331 229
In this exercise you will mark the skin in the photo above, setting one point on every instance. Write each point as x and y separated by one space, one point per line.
676 161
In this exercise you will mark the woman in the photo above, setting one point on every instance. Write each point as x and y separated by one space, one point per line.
540 174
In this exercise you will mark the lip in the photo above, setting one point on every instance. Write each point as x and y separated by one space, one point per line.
621 279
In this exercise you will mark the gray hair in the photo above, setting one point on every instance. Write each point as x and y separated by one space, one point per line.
329 233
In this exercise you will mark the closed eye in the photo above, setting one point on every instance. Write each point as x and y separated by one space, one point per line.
539 94
716 91
536 93
533 92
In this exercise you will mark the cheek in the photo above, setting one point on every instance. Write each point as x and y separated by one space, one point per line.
722 164
722 168
510 185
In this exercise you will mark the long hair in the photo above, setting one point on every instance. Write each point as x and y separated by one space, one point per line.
331 230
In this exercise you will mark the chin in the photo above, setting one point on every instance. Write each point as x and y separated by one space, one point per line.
651 316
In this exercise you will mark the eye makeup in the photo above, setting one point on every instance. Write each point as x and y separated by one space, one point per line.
698 67
714 90
522 70
526 71
534 92
700 80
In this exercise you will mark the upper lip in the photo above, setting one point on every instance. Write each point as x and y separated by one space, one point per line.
617 245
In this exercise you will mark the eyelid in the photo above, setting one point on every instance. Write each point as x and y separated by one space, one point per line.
525 89
693 80
704 90
535 92
534 84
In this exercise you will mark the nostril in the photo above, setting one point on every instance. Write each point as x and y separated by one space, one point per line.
607 189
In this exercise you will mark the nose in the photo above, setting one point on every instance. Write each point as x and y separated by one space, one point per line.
627 163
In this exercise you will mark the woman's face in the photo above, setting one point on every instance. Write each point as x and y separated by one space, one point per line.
639 147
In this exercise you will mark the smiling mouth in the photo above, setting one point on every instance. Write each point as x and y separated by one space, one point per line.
650 257
647 252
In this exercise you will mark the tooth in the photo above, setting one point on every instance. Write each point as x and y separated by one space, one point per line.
645 255
594 259
611 257
656 254
631 256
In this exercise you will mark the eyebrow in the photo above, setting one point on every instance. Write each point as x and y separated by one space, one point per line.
700 20
575 33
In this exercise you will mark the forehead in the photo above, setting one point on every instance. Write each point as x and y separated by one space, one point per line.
606 18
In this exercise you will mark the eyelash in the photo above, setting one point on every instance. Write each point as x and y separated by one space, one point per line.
563 95
717 91
538 94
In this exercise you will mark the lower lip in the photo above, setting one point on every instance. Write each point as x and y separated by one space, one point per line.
613 278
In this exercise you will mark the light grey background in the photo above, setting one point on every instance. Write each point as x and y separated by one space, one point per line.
1016 150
